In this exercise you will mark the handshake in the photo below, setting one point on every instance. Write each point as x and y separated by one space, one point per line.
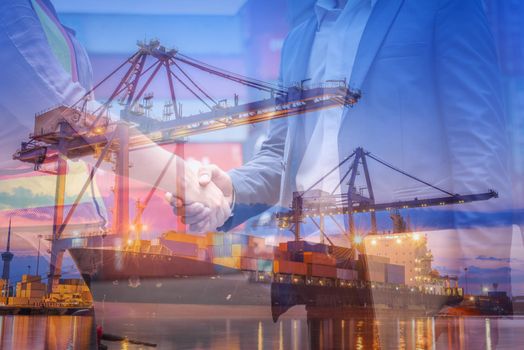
208 199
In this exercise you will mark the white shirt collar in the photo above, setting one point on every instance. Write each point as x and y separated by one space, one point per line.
322 7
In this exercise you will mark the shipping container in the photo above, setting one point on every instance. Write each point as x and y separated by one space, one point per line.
256 241
395 274
372 271
346 274
239 239
31 278
296 256
233 262
304 246
264 252
18 301
319 259
72 281
348 264
227 238
321 270
289 267
221 251
282 247
249 264
33 293
265 265
181 248
242 250
201 241
215 238
35 286
236 262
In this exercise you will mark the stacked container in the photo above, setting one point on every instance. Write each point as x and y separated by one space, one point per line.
241 252
313 260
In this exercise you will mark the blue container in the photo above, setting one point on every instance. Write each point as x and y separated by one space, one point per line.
228 239
265 265
220 251
240 239
296 256
304 246
218 239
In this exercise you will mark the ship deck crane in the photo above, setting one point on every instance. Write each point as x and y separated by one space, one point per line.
69 132
311 204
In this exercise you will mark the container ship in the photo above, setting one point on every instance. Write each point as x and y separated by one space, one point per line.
156 277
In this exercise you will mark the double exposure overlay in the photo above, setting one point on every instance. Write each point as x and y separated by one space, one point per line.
300 174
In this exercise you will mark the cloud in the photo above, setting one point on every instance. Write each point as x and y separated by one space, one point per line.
21 197
492 258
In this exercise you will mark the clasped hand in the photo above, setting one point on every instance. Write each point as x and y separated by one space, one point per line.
213 206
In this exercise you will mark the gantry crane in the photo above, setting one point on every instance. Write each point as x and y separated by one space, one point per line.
312 204
69 132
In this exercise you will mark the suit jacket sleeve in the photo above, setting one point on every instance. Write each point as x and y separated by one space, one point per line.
470 102
257 183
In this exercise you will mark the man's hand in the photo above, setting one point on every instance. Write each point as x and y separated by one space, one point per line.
221 179
207 216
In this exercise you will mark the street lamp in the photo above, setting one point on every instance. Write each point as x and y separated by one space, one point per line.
38 256
466 276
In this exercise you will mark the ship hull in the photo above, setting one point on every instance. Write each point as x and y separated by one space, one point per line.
141 286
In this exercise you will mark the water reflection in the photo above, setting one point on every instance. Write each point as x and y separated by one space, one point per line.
46 332
67 332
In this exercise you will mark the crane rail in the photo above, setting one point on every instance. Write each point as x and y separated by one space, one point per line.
84 141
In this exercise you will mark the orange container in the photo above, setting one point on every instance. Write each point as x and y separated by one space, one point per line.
321 270
289 267
319 259
185 238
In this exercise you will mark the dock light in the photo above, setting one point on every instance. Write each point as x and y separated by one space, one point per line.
358 239
374 242
129 241
485 289
399 241
416 237
472 298
99 130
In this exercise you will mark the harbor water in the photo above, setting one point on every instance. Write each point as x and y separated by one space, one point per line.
224 332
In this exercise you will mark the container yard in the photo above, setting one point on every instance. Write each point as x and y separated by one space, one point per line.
31 297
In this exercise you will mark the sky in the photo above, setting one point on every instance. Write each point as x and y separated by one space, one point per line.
243 37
